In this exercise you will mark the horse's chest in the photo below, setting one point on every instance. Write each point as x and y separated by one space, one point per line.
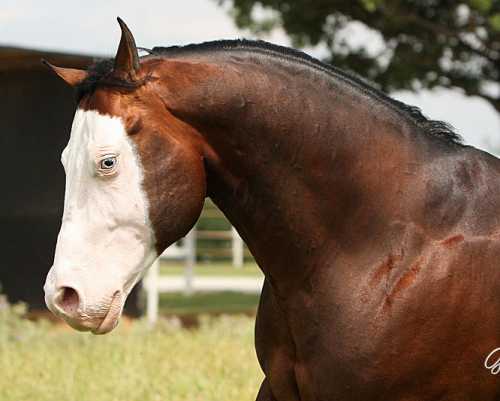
310 347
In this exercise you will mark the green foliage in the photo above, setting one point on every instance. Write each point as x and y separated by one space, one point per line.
371 5
495 22
481 5
425 43
215 362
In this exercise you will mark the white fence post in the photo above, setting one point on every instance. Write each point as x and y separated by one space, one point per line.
153 298
186 252
154 283
190 255
237 245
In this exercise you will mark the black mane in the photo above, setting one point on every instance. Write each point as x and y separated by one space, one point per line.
436 129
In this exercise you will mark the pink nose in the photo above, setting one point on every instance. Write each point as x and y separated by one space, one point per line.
67 301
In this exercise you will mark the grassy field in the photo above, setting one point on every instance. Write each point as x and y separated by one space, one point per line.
212 269
40 361
43 362
213 302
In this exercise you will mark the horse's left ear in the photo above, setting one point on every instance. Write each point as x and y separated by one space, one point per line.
127 57
71 76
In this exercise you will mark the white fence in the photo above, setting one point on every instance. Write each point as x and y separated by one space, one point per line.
185 251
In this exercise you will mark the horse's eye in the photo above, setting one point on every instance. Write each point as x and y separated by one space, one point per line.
108 163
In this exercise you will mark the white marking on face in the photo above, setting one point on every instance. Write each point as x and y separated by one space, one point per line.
106 241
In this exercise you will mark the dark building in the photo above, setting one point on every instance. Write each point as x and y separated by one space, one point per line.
36 111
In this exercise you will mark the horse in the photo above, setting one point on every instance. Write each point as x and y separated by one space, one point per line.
376 228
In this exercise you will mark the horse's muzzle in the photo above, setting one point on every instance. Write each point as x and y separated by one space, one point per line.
68 303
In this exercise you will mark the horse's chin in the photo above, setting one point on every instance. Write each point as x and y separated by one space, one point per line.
113 315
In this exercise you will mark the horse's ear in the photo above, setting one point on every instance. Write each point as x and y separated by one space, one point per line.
71 76
127 57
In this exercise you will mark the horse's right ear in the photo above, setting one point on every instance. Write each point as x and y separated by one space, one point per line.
71 76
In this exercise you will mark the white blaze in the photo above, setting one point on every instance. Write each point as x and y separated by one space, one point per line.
106 240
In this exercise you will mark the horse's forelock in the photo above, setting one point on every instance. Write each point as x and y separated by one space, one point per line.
101 74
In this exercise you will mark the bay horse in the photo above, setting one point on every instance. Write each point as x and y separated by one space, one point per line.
376 228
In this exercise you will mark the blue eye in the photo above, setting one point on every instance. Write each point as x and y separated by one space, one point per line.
108 163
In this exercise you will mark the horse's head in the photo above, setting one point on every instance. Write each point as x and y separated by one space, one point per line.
135 183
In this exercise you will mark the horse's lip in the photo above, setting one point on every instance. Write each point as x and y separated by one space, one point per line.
110 321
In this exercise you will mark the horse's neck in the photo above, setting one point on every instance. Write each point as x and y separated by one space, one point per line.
291 163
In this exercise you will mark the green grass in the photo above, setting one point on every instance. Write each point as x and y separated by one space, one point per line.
213 302
216 302
215 362
212 269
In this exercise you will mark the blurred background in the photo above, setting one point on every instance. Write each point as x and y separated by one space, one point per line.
189 334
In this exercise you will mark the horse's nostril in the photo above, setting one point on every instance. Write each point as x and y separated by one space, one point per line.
68 300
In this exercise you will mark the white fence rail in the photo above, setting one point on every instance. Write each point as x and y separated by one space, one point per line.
154 284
